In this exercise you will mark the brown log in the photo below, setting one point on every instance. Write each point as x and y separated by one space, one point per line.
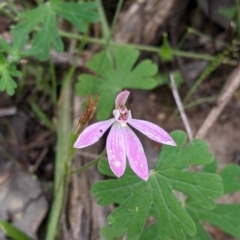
141 20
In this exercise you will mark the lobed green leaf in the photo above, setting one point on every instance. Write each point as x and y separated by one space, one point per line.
7 72
138 200
224 216
78 14
43 20
231 178
115 70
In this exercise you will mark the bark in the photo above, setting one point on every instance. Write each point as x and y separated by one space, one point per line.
142 21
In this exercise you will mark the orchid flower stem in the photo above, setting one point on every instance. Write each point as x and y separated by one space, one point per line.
64 126
93 162
64 155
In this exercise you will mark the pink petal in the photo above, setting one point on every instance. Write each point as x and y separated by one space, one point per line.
93 133
116 150
135 153
152 131
121 98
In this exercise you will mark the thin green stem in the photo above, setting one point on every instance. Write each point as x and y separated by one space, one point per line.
54 82
238 16
200 101
179 53
105 28
70 151
108 40
13 7
182 40
7 14
119 6
6 154
194 103
64 127
23 81
204 36
217 61
85 166
64 154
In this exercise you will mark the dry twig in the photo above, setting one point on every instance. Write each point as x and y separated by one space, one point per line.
180 107
225 96
4 112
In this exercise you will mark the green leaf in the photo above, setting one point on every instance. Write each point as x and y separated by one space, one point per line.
13 232
162 79
229 12
43 19
224 216
7 73
107 233
78 14
15 51
115 70
139 200
201 234
211 167
152 232
46 36
231 178
4 46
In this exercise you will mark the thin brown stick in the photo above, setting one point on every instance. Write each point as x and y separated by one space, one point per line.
4 112
86 154
180 107
225 96
39 159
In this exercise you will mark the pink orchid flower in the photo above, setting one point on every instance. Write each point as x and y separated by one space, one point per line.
122 142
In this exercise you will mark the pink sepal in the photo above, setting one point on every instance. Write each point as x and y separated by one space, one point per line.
116 150
152 131
93 133
135 153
